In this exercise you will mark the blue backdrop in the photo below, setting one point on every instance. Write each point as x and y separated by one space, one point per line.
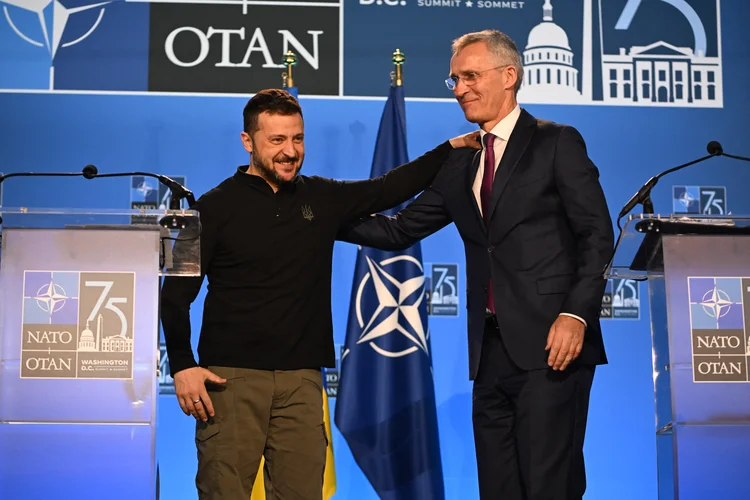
197 136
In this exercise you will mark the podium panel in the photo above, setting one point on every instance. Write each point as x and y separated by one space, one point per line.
698 273
79 353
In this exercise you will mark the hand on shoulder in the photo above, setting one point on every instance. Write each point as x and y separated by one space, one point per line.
470 140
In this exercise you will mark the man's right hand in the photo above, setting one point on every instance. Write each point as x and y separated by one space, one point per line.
190 388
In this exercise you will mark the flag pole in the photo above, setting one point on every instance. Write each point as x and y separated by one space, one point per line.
290 59
397 77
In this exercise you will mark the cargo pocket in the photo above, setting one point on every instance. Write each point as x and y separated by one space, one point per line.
205 430
209 455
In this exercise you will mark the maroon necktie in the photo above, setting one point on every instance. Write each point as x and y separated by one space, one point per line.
486 193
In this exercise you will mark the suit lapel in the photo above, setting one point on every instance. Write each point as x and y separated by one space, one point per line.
517 143
472 174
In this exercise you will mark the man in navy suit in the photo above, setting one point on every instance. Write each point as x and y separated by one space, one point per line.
537 234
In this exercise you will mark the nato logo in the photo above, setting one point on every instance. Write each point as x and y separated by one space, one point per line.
621 300
699 200
166 46
442 290
77 325
147 193
718 327
389 309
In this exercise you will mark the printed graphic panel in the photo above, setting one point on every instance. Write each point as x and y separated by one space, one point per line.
77 325
621 52
621 299
718 325
239 49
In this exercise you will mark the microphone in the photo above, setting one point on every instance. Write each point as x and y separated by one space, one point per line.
90 171
178 192
643 196
714 148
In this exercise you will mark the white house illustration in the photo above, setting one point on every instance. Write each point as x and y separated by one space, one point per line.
658 74
661 73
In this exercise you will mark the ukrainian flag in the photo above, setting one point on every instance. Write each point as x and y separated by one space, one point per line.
329 477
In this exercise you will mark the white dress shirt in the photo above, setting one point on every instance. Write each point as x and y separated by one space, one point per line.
502 133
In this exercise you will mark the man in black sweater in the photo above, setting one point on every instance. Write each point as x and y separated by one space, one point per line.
266 246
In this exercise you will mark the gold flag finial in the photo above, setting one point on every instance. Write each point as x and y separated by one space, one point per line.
398 58
290 59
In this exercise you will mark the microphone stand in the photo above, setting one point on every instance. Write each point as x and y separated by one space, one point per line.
643 196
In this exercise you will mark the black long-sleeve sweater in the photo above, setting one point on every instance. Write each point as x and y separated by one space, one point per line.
268 260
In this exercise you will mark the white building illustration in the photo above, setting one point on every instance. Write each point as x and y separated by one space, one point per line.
117 343
658 74
549 74
114 343
87 342
661 73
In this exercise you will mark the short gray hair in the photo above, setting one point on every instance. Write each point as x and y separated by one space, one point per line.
499 44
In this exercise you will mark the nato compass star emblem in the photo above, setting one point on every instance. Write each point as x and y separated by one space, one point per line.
397 311
716 303
53 18
58 26
51 298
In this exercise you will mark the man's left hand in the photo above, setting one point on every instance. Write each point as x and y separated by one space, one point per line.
564 342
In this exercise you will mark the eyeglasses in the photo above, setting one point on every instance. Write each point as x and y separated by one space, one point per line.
469 78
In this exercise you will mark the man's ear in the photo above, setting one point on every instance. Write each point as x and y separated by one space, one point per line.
510 82
247 142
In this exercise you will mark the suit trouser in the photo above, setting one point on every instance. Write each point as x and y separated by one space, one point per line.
529 426
275 414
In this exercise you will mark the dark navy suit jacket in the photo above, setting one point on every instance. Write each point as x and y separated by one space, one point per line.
547 242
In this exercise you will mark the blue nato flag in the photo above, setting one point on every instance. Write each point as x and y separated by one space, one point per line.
386 407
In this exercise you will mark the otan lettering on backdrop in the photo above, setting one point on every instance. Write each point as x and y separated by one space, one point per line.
175 46
617 53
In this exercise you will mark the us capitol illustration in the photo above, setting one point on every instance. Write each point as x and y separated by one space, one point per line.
655 74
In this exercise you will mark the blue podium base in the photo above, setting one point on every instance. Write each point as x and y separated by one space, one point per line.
710 460
38 461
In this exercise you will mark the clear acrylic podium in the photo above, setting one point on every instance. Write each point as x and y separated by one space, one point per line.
79 347
698 272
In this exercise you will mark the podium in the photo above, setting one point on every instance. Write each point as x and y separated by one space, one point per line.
79 347
698 273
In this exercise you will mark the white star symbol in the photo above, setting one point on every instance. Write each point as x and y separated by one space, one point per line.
387 301
686 198
716 303
144 188
469 3
60 15
49 297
